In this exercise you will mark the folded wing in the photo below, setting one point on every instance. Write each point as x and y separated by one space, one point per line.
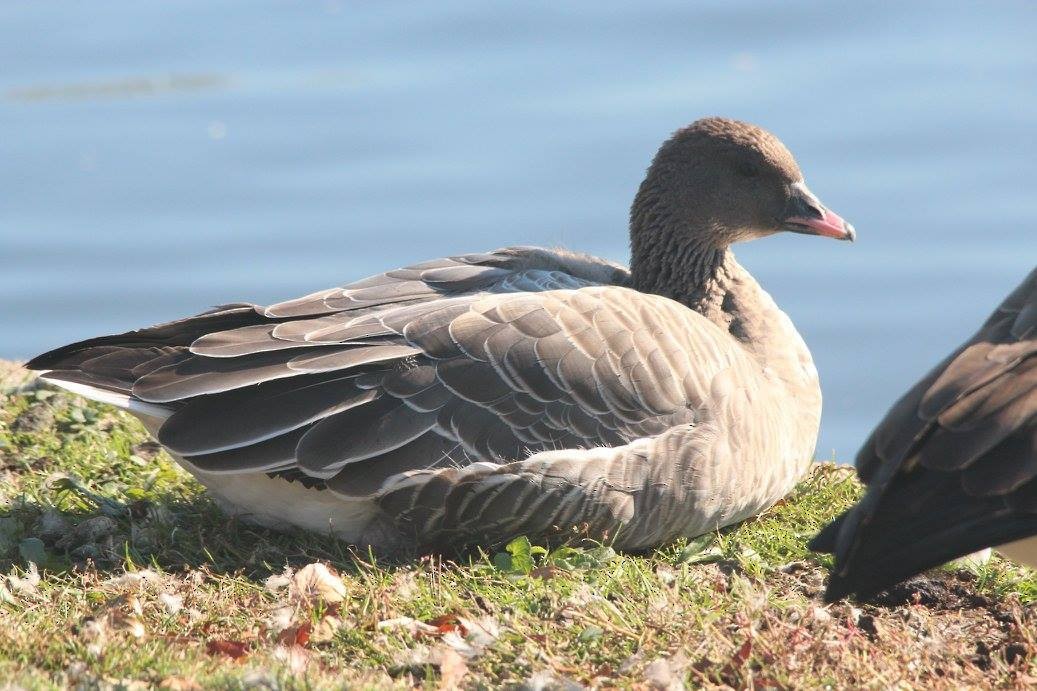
482 358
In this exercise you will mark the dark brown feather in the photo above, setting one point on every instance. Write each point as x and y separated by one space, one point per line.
360 433
953 465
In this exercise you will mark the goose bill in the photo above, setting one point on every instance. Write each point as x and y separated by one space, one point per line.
807 215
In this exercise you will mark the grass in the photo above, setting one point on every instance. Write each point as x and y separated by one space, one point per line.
120 573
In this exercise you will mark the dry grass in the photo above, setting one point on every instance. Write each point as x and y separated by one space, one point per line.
142 582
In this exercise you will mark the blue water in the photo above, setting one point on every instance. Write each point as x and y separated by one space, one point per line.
157 158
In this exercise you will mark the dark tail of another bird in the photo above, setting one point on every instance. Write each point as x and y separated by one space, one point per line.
922 519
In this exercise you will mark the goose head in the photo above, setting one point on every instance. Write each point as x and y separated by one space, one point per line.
719 181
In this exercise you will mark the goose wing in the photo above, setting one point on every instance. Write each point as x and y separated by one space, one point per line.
116 362
953 466
484 358
454 381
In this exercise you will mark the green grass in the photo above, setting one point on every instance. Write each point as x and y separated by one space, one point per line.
88 498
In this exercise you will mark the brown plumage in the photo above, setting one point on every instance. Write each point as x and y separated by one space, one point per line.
521 391
952 468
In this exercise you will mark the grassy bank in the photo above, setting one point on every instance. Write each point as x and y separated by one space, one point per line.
137 580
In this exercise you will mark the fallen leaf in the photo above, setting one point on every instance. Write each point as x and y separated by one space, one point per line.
446 623
132 578
236 650
460 646
666 673
94 633
260 679
766 683
178 640
413 625
666 575
406 585
129 623
279 581
91 530
743 653
546 681
27 584
296 635
125 684
820 615
280 618
412 661
631 662
325 629
315 581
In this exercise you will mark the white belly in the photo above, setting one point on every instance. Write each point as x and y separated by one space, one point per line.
279 504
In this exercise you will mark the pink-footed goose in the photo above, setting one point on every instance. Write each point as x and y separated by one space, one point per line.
523 391
952 468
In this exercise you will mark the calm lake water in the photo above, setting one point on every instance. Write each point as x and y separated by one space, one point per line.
157 158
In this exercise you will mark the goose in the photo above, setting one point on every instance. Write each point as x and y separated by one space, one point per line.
952 468
524 391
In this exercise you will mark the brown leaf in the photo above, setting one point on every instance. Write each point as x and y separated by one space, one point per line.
296 635
325 629
129 623
180 640
447 623
740 657
236 650
767 683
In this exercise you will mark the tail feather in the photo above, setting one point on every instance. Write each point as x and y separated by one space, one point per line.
922 520
113 363
887 564
106 395
105 368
